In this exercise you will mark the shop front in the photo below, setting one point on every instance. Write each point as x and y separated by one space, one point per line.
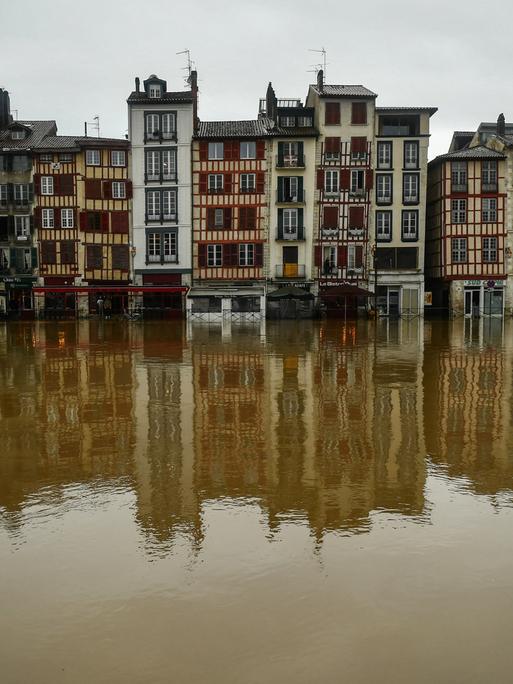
343 301
163 296
16 297
483 298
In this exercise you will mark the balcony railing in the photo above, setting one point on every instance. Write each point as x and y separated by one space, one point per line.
158 136
357 192
160 177
290 270
290 161
291 197
329 232
154 218
355 231
290 234
411 198
384 198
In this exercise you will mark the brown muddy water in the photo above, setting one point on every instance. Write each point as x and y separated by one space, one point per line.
285 503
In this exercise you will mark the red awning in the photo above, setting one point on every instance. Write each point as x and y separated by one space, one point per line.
127 289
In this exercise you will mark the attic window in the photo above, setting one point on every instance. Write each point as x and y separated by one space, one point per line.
155 91
18 135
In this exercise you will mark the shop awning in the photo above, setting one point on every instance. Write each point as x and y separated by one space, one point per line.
345 291
290 293
127 289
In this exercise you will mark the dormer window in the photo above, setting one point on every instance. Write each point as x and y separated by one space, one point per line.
18 135
287 121
155 91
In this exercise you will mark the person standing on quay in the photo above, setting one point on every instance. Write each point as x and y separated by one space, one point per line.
99 306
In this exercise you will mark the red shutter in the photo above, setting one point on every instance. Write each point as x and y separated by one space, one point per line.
332 113
356 217
202 255
369 179
345 179
66 184
259 254
260 149
57 217
342 256
320 179
227 217
203 147
330 217
83 220
332 145
56 185
260 182
359 145
37 183
93 189
243 218
105 221
228 182
119 221
251 218
203 182
318 256
211 217
37 218
358 112
232 150
129 189
107 189
358 256
227 254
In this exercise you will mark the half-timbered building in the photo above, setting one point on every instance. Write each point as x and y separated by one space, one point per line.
230 210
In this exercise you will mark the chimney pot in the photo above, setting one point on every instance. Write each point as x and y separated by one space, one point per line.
137 84
501 125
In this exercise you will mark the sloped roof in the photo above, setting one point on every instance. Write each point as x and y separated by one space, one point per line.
478 152
232 129
182 96
429 110
68 142
343 91
38 130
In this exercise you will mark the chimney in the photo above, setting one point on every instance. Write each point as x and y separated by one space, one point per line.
5 109
270 102
137 84
320 80
193 80
501 125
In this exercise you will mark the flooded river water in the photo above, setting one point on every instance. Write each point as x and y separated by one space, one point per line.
286 503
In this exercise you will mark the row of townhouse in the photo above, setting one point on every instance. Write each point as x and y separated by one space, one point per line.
323 206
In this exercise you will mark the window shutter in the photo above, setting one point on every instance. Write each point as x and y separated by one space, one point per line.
320 179
243 218
280 224
66 181
203 146
211 217
37 218
57 217
332 113
107 189
12 256
228 181
318 256
93 189
10 192
300 218
332 145
260 149
358 256
358 112
300 151
203 181
369 179
37 183
280 189
56 185
33 254
120 257
129 189
345 179
260 182
228 254
119 221
358 145
31 192
105 221
83 220
356 217
330 217
227 217
234 149
259 254
202 253
342 256
280 154
252 218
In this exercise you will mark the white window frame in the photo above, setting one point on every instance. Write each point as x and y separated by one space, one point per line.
459 173
357 188
329 254
65 157
67 220
351 257
93 157
216 151
288 121
489 172
384 188
154 242
410 188
118 190
304 121
21 193
153 205
490 248
384 155
22 227
218 218
168 164
18 135
458 211
214 256
169 246
46 157
488 210
118 158
247 254
152 165
459 251
247 182
410 225
248 149
215 182
154 91
169 205
290 223
152 125
47 218
384 226
47 185
168 125
411 154
331 182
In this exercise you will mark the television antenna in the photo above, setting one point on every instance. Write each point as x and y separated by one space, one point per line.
190 63
94 124
322 52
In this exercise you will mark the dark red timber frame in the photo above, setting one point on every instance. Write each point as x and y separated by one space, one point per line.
244 212
345 204
474 230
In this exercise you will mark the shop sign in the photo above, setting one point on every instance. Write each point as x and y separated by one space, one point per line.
428 298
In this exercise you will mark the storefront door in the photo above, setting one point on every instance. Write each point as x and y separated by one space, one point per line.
492 302
472 303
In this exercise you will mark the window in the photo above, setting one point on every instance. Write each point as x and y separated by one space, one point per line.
153 205
161 205
489 247
248 150
118 158
290 189
410 188
46 157
94 221
290 223
93 157
331 147
65 157
304 121
410 225
94 256
459 250
161 164
169 244
168 125
67 251
329 260
459 176
154 91
247 182
331 182
160 126
216 150
287 121
246 255
351 257
488 210
21 195
215 182
384 226
411 155
47 218
489 176
459 211
19 163
120 257
154 247
162 247
3 195
332 114
22 227
357 182
118 190
169 164
4 259
384 188
66 218
18 135
358 148
169 205
47 185
384 155
152 125
214 255
358 112
152 165
218 219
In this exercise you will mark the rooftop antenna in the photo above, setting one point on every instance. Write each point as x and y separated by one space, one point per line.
95 124
323 52
190 63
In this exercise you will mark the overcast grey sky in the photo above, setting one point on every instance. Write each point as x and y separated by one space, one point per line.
70 61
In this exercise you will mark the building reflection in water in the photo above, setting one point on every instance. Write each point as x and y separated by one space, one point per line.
321 424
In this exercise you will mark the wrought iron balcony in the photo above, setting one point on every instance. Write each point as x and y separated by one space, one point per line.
290 161
290 270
